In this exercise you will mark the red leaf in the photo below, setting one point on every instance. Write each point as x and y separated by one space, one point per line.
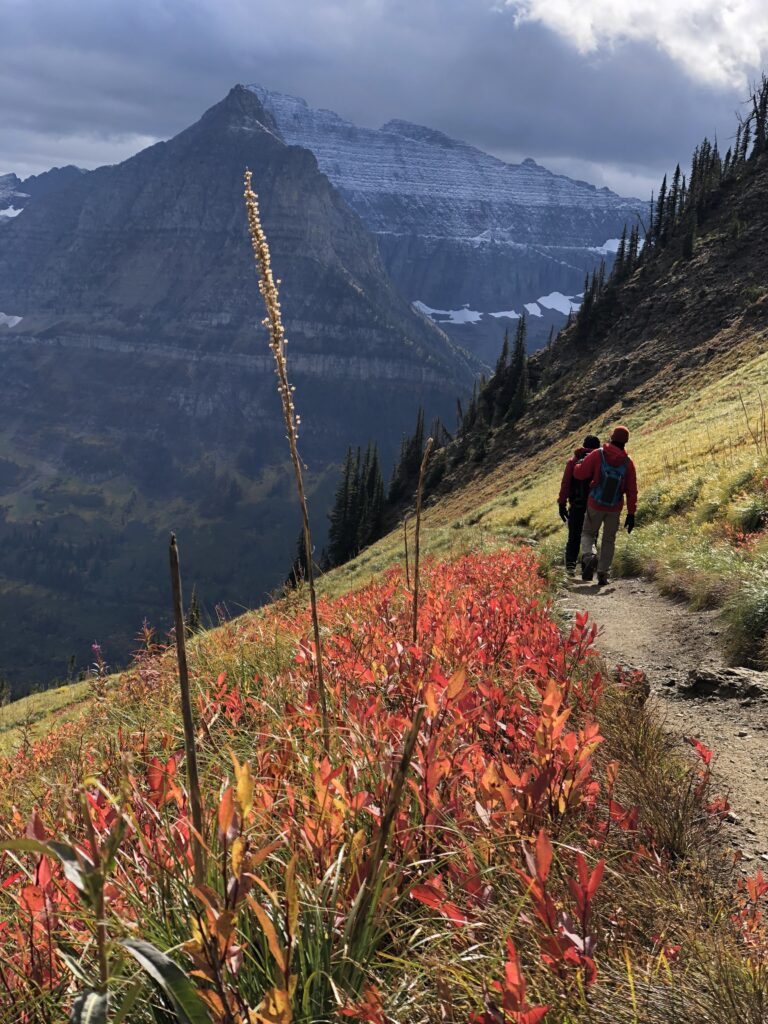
432 897
543 856
704 752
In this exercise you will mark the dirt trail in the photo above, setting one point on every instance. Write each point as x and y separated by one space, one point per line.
641 629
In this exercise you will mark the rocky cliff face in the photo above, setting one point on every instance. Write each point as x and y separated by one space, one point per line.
138 393
473 239
15 194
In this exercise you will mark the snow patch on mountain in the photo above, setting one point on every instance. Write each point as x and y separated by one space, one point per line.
10 212
465 315
562 303
9 321
610 246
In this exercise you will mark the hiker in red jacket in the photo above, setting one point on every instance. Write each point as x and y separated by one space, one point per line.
611 475
574 493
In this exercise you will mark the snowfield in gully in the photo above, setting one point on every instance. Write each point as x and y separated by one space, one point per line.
489 878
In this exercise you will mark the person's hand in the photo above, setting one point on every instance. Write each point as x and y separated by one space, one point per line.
629 522
563 513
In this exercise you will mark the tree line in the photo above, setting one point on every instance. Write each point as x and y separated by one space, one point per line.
676 211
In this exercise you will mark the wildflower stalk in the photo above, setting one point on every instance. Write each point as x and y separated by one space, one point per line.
419 492
277 342
195 799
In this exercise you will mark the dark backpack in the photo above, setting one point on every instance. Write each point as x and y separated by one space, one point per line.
579 491
609 488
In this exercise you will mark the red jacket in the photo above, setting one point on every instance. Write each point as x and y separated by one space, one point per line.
590 469
565 485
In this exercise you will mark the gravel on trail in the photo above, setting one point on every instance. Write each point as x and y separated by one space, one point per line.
639 628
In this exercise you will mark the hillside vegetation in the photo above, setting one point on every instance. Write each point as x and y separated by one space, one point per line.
533 848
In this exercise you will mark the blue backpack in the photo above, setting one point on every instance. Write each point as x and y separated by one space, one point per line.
608 490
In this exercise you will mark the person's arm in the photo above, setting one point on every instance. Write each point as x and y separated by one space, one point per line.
631 488
586 469
565 484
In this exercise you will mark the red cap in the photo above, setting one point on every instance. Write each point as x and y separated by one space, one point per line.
620 435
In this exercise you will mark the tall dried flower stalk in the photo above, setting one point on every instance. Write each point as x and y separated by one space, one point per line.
277 342
419 493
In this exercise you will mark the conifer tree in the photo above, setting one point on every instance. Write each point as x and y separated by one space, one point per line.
634 245
371 504
341 515
674 198
519 375
660 211
406 471
621 255
298 572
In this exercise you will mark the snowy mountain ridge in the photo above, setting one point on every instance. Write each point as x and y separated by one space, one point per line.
461 232
479 192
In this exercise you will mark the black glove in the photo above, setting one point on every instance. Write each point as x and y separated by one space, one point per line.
629 522
563 513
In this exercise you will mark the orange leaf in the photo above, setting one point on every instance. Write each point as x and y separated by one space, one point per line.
292 898
244 787
271 935
456 682
275 1008
227 815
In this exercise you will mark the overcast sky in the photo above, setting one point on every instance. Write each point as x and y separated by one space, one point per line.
612 91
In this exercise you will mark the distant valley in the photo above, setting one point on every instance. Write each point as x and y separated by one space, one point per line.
138 392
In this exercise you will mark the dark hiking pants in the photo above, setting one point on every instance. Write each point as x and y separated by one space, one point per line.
575 524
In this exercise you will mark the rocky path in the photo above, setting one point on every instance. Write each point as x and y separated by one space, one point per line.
698 697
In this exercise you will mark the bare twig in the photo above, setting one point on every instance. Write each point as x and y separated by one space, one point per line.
749 425
419 492
405 544
277 342
195 799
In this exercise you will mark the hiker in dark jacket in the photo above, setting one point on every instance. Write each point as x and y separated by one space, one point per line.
572 501
611 475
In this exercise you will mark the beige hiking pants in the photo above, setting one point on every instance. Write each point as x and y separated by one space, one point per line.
593 520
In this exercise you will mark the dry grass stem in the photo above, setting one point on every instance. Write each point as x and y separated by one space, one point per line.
405 545
419 493
277 342
195 798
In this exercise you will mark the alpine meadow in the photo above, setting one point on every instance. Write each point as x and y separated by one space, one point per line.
384 525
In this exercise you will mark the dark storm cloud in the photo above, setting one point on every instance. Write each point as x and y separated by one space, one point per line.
90 81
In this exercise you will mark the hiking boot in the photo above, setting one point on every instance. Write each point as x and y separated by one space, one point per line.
570 568
588 566
602 579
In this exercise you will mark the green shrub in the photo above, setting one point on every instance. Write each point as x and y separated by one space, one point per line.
649 507
750 514
707 510
685 500
746 620
743 481
629 560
